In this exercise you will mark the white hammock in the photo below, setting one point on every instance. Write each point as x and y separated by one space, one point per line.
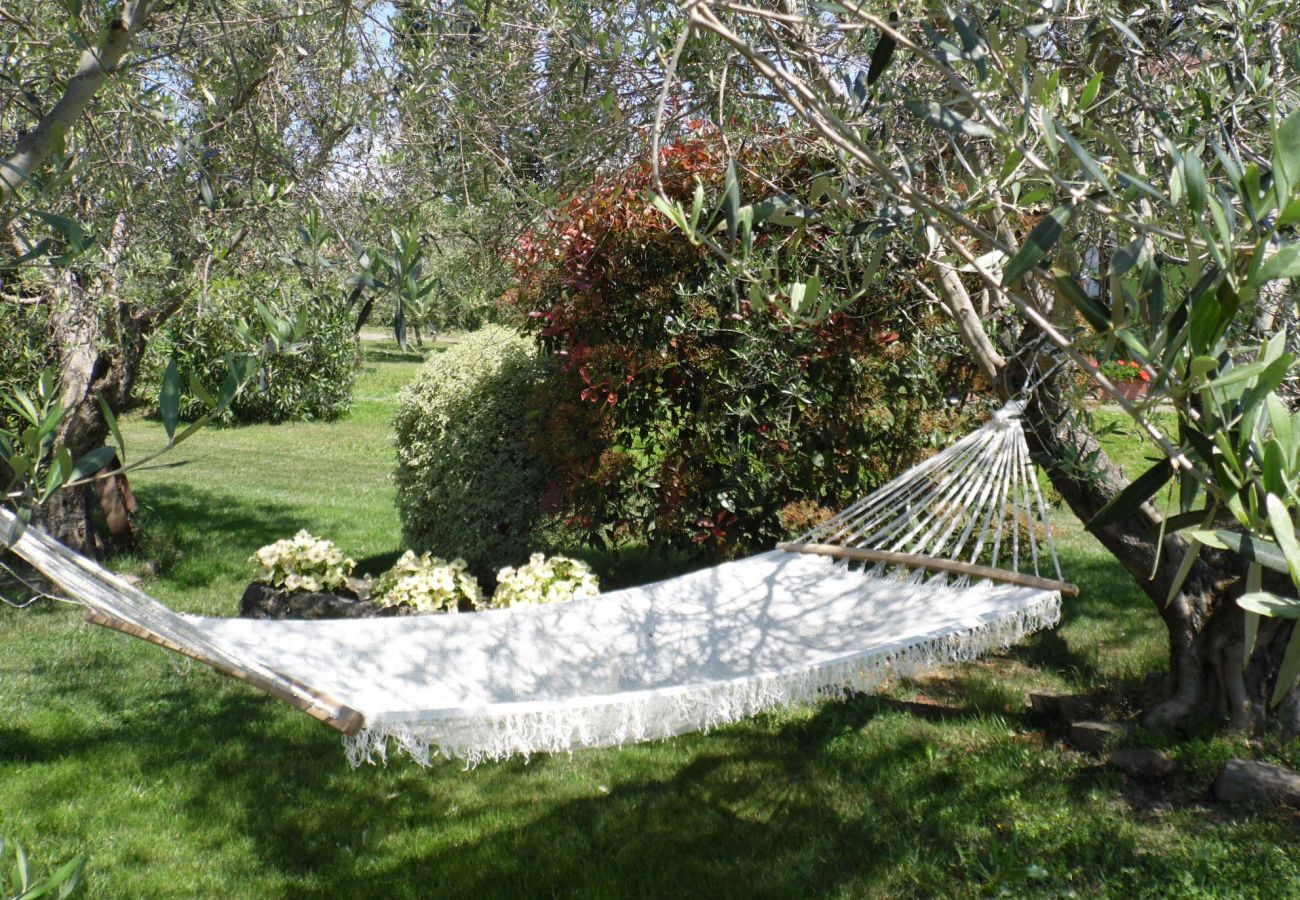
685 654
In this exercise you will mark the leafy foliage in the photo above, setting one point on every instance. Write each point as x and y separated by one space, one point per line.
683 411
33 466
1119 195
24 350
445 274
298 373
223 131
469 481
22 883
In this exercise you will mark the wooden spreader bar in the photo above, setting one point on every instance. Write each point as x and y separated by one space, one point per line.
916 561
320 706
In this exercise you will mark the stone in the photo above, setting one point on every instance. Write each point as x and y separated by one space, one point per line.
1055 707
1148 765
1251 781
1098 737
262 601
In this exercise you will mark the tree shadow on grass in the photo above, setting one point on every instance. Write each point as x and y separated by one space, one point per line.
371 354
195 534
1108 602
861 797
379 562
866 796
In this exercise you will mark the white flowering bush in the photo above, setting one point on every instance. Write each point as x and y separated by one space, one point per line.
557 579
427 583
302 563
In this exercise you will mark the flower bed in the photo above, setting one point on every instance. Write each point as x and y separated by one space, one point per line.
306 577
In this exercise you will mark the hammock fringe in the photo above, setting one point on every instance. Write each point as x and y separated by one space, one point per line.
664 714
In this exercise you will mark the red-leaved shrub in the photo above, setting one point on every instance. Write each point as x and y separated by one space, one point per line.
681 414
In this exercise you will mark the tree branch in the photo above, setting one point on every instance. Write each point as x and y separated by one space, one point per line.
95 64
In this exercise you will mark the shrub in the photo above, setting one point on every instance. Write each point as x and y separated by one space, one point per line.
310 379
428 583
302 563
683 415
468 480
799 516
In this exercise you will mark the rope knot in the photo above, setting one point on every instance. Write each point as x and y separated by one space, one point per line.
1008 414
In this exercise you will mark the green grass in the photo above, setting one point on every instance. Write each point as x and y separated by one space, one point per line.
176 782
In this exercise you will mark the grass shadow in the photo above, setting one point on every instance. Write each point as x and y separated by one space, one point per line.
377 563
873 795
372 354
747 812
194 536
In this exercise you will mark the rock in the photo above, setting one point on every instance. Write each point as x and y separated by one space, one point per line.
1149 765
1098 737
1055 707
1248 780
261 601
359 587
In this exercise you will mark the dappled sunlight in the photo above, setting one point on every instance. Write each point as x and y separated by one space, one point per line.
857 796
933 780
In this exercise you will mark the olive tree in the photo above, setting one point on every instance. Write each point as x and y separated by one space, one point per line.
1083 180
145 146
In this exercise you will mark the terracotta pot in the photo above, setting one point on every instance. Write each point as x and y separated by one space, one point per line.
1131 390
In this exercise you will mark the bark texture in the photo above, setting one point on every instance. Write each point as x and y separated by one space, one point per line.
1208 678
99 356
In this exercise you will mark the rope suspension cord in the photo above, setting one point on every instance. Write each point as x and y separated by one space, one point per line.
37 591
912 560
952 514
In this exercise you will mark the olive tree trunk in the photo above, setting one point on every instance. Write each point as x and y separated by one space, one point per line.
1208 679
99 355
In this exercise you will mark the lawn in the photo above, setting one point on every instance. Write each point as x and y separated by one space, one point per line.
174 781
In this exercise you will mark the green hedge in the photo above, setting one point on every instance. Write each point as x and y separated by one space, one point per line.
468 481
311 380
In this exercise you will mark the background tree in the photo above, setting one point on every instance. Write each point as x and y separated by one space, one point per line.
219 122
500 111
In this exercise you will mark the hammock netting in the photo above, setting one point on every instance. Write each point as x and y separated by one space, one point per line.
686 654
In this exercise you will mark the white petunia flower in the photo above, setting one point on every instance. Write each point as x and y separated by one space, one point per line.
427 583
302 563
558 579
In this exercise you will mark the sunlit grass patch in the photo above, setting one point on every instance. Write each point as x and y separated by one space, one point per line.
175 781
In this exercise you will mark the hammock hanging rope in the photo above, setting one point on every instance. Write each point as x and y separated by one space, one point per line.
926 570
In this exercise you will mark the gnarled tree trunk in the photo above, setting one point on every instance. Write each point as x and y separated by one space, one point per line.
1206 628
92 363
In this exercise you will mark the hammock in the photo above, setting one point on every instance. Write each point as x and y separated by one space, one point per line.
925 570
